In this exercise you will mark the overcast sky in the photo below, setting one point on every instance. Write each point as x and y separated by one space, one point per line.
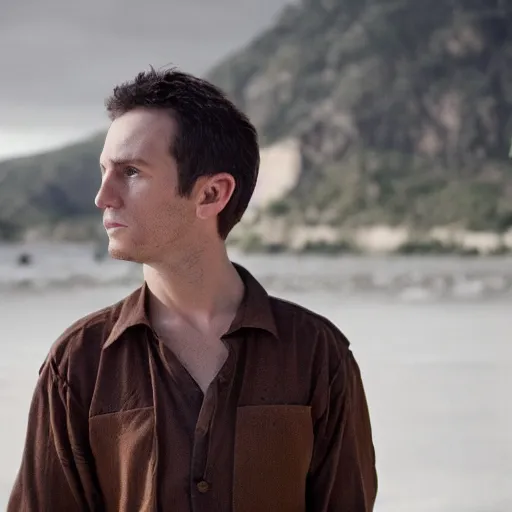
59 59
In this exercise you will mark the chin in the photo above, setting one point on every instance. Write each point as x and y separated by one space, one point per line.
117 252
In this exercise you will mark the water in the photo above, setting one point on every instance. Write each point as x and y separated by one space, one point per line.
408 279
433 338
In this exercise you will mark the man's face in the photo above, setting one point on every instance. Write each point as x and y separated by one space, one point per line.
145 217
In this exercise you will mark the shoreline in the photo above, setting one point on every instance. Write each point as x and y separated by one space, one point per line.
271 236
278 238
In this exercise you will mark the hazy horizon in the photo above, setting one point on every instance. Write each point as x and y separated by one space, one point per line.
61 60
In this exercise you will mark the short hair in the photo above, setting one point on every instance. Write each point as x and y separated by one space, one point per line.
213 135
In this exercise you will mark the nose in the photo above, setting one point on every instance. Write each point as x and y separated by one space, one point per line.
107 196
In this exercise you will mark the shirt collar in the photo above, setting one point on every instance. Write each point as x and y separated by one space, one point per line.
254 312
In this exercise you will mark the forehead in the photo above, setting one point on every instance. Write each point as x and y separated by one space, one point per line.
139 134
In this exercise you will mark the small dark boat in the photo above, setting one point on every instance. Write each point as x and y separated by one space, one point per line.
24 259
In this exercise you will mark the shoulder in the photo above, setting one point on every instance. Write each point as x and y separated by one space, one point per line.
85 333
288 313
81 342
310 332
74 358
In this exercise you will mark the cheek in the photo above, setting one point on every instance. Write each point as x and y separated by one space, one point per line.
159 210
166 217
147 202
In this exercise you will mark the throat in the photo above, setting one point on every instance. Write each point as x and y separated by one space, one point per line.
201 358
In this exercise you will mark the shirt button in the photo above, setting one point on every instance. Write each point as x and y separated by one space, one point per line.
203 486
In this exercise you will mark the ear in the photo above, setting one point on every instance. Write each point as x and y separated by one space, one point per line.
213 194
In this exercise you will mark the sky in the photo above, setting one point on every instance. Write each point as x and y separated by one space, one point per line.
60 59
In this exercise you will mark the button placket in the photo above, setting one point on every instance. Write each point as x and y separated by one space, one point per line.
206 436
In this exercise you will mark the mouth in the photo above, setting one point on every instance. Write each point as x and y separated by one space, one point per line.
111 225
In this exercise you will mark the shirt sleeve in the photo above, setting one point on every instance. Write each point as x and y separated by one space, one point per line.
343 474
56 472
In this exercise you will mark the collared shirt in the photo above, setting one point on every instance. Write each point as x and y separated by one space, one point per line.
117 423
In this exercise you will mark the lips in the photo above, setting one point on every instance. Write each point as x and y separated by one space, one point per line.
110 224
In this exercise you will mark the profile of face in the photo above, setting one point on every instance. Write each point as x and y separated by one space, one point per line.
146 219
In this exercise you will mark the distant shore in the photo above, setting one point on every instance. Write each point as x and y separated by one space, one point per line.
270 236
273 236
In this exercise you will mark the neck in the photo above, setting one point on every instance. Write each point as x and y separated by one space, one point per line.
201 288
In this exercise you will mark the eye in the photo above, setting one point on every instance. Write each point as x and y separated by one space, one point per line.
131 171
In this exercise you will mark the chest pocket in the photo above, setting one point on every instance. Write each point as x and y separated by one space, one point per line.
273 449
123 448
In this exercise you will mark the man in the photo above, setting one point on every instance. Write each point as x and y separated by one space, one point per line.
198 392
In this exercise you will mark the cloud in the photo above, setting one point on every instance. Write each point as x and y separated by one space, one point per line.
60 59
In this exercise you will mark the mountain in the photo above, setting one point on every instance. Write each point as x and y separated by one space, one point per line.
50 189
402 109
401 112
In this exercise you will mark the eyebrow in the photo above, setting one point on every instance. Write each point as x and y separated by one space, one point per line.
128 161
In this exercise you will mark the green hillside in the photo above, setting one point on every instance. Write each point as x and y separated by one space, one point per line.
49 188
402 109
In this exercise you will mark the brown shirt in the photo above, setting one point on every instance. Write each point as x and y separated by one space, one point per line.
117 424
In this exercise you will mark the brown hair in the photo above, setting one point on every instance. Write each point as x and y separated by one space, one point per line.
213 134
